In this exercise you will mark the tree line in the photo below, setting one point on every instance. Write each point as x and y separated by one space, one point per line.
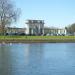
71 29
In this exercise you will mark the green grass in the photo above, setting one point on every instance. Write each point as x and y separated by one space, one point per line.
37 37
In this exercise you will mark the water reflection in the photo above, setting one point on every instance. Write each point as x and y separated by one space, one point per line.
37 59
5 60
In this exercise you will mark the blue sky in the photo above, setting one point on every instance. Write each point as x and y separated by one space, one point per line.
56 13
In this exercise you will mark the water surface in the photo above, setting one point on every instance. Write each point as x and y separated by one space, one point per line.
37 59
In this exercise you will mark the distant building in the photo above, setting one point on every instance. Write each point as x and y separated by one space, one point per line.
62 31
13 30
35 27
54 31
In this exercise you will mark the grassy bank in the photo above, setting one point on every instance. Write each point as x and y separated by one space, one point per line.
37 39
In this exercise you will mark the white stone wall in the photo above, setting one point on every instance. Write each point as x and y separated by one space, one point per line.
55 31
62 31
35 27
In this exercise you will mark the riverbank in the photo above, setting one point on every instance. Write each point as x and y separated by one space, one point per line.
37 39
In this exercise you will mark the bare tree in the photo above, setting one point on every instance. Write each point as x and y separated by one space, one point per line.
8 14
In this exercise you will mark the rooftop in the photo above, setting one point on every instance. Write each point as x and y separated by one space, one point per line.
34 21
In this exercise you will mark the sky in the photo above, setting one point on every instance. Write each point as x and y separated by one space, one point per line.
55 13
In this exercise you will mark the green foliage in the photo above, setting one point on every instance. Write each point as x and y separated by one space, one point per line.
71 28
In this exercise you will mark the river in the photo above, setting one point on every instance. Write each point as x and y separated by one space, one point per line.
37 59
